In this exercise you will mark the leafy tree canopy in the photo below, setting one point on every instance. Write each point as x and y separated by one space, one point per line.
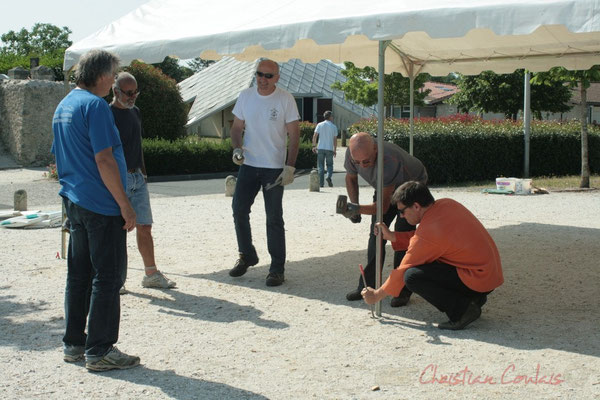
164 113
572 78
45 41
198 64
170 67
490 92
361 86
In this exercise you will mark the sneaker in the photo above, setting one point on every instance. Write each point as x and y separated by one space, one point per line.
471 314
73 353
329 183
354 295
123 290
114 359
275 279
242 265
157 280
402 298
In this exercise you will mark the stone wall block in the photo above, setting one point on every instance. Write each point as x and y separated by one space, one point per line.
26 111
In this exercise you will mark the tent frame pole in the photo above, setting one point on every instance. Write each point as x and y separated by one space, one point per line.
380 119
411 79
526 123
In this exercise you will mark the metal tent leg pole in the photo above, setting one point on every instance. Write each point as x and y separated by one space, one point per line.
380 119
526 123
412 113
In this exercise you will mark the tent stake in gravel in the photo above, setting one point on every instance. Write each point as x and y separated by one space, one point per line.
362 273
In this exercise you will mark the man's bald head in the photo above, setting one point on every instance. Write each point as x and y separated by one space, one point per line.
363 149
270 64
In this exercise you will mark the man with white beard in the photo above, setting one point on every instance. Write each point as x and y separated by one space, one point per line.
129 123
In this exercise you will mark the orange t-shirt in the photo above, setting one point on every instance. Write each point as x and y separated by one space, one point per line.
451 234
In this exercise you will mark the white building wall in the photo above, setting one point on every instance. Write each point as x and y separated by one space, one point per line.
216 125
343 118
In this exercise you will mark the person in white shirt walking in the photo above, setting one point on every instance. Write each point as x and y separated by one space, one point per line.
325 135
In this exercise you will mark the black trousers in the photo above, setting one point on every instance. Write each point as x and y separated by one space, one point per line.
439 284
399 226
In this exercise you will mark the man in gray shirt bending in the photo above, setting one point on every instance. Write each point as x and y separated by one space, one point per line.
398 167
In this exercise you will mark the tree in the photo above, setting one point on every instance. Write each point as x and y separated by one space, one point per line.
164 114
580 80
490 92
198 64
361 87
45 41
448 79
170 67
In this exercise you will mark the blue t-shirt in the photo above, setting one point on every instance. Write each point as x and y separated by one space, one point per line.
83 125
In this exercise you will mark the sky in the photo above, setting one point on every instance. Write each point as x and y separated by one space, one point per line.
83 17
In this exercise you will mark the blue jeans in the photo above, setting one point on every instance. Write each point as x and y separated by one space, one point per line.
322 157
249 182
96 262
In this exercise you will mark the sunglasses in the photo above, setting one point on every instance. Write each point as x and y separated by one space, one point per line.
401 211
130 93
362 162
263 75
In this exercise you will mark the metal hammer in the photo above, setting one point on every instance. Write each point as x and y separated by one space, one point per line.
341 206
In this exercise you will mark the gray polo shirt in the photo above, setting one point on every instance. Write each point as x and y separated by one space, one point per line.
398 167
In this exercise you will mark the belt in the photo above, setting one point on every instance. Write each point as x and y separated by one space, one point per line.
132 170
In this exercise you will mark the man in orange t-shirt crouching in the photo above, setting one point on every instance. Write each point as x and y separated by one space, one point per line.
451 260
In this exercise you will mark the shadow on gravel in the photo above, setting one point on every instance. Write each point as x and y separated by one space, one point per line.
47 333
181 387
549 299
209 309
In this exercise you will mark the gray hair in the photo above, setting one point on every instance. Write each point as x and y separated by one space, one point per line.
123 77
93 65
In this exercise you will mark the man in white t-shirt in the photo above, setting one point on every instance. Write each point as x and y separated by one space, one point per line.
268 117
326 134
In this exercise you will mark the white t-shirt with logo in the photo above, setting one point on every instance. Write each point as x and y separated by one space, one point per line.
265 134
327 131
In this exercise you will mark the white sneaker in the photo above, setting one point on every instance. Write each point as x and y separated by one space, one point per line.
123 290
157 280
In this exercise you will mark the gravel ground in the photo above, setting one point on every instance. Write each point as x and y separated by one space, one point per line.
215 337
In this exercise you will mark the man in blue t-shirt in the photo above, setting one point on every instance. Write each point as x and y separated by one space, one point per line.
91 168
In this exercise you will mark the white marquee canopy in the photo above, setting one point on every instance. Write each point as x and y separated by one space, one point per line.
434 36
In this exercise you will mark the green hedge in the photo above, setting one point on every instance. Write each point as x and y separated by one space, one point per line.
164 113
466 148
307 130
193 156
